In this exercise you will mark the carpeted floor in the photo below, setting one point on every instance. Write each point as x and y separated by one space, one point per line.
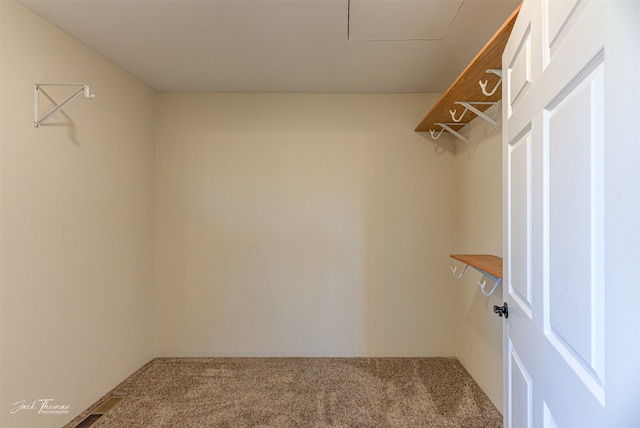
299 392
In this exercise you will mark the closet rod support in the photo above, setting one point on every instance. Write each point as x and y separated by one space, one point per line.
483 85
455 268
83 89
433 133
447 127
482 284
470 106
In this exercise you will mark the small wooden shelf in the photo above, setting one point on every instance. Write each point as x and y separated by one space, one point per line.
466 88
483 262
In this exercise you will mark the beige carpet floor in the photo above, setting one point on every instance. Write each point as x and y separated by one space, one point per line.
299 392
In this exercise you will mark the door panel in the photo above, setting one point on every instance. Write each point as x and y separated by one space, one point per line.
521 392
557 15
520 71
548 420
519 153
576 225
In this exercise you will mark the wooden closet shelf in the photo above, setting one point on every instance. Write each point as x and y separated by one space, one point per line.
484 262
466 88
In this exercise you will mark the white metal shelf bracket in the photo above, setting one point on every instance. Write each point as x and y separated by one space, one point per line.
81 89
454 269
447 127
483 85
482 284
470 106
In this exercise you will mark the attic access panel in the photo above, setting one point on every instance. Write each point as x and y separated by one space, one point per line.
398 20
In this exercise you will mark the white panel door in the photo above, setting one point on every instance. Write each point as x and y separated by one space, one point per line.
571 155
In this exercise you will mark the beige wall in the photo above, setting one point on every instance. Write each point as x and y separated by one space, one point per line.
308 225
478 181
284 225
76 224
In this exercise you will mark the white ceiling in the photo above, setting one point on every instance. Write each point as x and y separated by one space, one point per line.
327 46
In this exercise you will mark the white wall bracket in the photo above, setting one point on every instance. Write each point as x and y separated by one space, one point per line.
470 105
447 127
81 89
482 284
483 85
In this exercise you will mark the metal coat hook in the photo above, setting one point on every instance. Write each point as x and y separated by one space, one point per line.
470 106
432 132
453 114
83 89
447 127
455 268
482 284
483 85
